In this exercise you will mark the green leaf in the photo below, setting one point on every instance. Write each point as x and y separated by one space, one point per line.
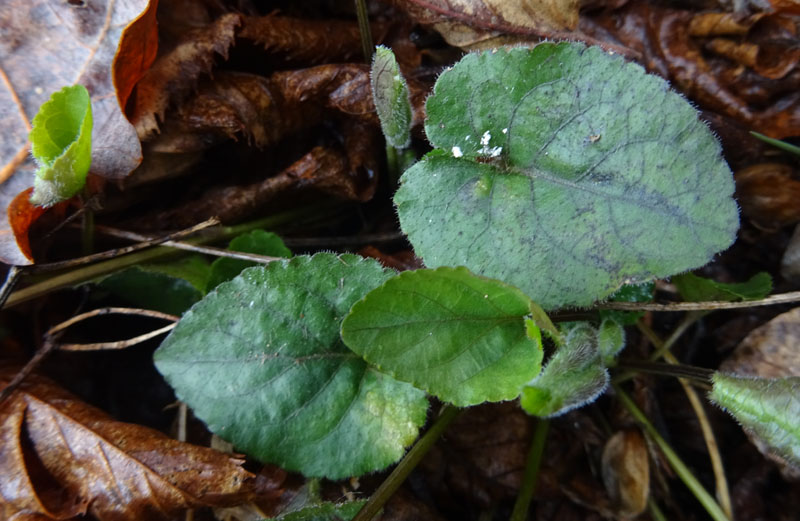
61 144
169 287
768 408
324 512
629 293
560 170
699 289
260 361
464 339
257 241
574 376
390 93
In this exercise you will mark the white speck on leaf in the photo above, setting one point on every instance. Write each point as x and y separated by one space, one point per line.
457 152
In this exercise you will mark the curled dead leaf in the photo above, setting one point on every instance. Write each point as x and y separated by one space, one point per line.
61 458
175 73
626 472
22 214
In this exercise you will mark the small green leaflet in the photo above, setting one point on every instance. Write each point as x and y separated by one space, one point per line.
260 361
323 512
61 144
768 408
575 375
629 293
463 338
169 287
558 169
256 241
390 93
698 289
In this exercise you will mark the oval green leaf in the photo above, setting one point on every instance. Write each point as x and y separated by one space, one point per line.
465 339
61 144
574 376
767 408
391 97
567 172
260 242
260 361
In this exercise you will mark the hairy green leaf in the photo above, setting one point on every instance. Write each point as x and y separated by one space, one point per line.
260 361
324 512
256 241
698 289
390 93
768 408
465 339
574 376
610 340
559 169
61 144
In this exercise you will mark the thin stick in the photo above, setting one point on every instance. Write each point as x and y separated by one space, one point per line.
534 462
206 250
119 344
781 298
675 462
354 240
12 278
407 464
117 252
110 311
699 374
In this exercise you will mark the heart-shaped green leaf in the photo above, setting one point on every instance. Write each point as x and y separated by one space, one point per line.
260 361
574 376
768 408
567 172
61 144
465 339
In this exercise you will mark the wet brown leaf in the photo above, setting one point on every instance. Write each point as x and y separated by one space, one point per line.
626 472
60 458
768 194
175 73
665 40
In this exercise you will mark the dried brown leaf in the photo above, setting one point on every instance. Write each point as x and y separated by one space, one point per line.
175 73
768 194
61 458
466 22
306 41
664 39
322 169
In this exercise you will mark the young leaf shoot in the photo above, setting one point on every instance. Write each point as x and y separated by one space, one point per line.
553 172
390 93
61 144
